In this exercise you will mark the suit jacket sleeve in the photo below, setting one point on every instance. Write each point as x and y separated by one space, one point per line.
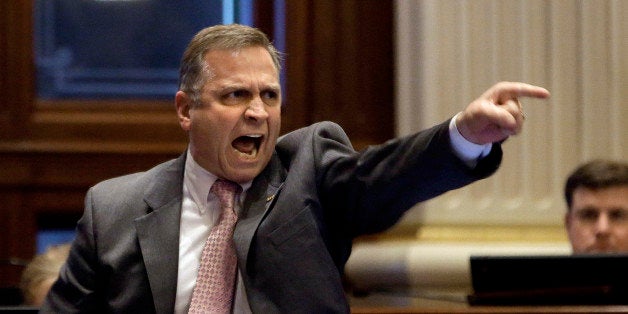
77 278
372 189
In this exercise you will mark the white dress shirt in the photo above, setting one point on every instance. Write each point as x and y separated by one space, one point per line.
199 213
200 210
467 151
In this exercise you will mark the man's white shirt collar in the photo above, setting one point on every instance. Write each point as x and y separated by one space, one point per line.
198 180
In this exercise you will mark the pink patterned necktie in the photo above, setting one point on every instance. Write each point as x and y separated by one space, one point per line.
215 282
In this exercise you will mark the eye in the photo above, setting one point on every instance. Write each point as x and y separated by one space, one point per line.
269 94
619 215
270 97
237 94
236 97
587 215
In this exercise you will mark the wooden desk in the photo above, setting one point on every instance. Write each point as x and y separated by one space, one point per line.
388 303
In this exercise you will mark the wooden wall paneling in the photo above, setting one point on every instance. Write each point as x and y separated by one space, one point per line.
52 151
16 67
376 70
297 110
146 122
327 92
16 86
340 67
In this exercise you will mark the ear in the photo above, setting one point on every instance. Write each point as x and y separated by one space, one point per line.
567 220
182 103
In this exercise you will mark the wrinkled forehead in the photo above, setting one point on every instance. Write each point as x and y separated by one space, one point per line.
257 56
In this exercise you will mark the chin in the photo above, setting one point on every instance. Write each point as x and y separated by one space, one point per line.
243 176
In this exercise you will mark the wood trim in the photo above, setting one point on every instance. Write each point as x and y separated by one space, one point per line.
143 122
297 90
16 67
340 67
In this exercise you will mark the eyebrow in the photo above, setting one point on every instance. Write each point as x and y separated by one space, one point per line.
588 208
239 85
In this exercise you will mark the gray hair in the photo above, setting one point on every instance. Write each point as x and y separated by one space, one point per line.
193 72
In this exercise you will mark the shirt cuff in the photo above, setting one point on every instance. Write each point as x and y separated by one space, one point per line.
467 151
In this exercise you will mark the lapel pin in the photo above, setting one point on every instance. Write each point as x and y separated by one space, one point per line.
270 198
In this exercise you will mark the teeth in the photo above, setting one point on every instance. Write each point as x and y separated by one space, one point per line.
253 153
254 135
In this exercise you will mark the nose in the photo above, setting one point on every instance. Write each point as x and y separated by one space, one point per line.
256 110
602 225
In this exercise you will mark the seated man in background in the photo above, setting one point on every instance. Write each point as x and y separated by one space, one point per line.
41 273
597 207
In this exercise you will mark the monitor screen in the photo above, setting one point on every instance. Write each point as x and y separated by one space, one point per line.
553 279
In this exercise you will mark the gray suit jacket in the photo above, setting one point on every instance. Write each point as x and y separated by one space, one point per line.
293 237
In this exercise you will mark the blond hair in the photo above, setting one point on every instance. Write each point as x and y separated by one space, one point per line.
41 271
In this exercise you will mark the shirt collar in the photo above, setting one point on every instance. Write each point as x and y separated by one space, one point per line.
199 181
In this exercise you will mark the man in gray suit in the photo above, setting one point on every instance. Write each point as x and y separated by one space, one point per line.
305 195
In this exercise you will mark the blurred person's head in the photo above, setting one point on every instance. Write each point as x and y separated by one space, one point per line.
41 272
597 207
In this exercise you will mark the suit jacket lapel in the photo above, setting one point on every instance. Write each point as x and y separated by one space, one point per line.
158 234
259 199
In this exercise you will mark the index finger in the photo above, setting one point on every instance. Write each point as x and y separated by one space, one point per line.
504 91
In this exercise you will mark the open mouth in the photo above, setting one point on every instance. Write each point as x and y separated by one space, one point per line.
247 145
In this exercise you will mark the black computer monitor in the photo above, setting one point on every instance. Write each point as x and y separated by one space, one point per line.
549 279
